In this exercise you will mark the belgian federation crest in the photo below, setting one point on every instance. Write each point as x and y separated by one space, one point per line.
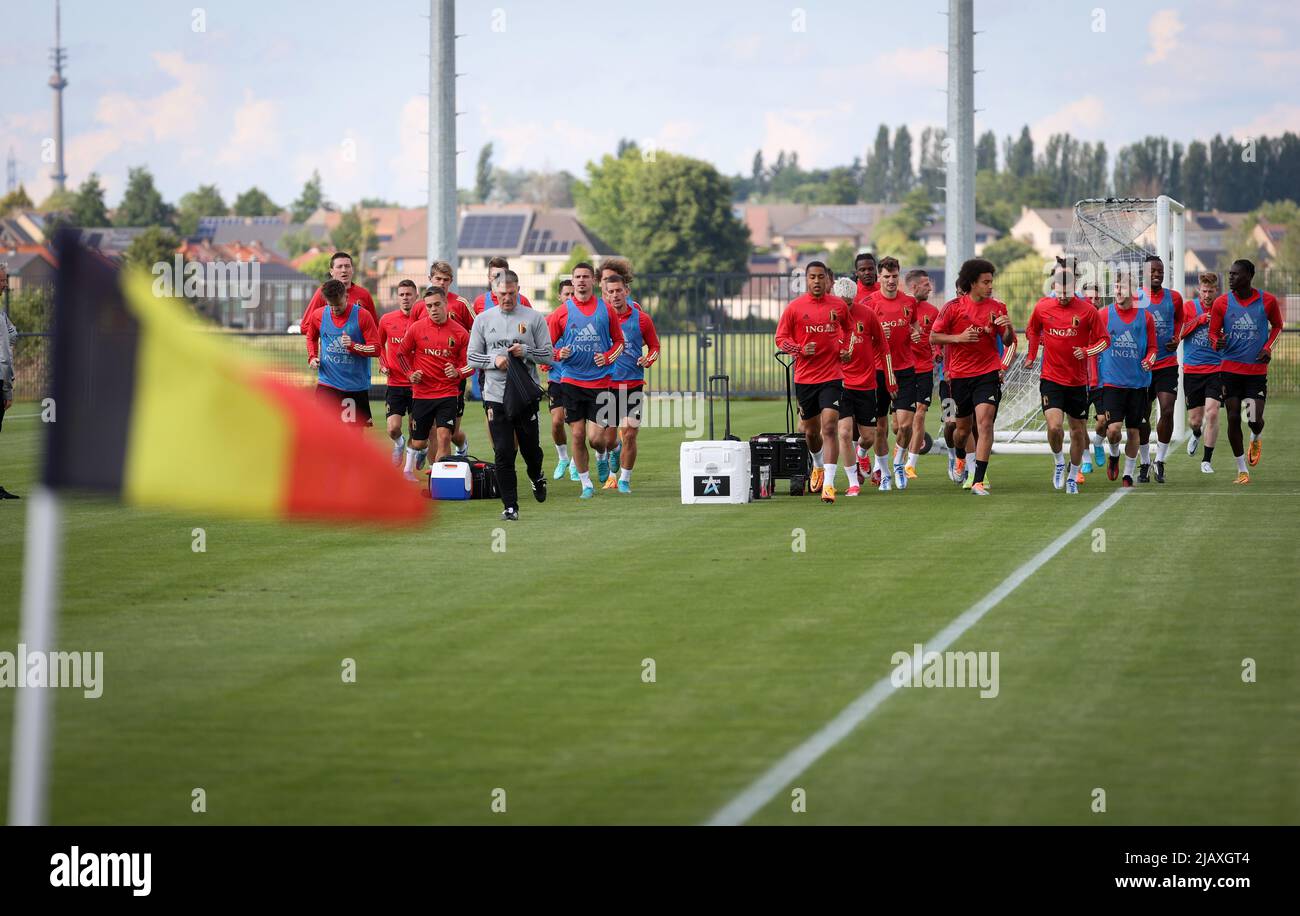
523 328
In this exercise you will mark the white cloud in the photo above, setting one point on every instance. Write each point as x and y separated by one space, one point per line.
811 132
255 135
1081 118
1277 120
409 166
1163 29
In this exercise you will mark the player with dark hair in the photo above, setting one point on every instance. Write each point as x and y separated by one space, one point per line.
340 341
1202 365
971 328
1096 457
340 269
488 298
1071 332
1166 307
810 330
627 395
919 288
434 356
1244 325
859 403
896 311
1125 368
397 393
458 310
864 271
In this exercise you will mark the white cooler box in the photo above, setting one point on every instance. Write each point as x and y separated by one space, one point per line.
715 472
450 480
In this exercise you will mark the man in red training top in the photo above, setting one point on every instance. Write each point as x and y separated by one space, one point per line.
397 395
811 332
340 269
433 354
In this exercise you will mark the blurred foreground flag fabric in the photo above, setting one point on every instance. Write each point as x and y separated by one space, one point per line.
152 407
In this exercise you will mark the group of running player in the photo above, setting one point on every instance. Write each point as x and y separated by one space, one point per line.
595 350
860 359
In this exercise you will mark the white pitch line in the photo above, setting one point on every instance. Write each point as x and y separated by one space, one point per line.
784 771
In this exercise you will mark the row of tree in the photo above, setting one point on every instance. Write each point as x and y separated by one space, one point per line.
1223 173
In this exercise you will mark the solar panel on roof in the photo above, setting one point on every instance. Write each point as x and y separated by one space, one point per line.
495 231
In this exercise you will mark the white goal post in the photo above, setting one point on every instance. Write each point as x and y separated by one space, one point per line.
1106 233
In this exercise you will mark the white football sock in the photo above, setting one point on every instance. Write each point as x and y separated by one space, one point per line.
1098 439
562 452
1128 466
400 442
1254 436
830 473
585 477
1071 471
851 471
1162 449
625 474
1112 449
1241 464
1144 451
911 459
1059 458
410 460
817 458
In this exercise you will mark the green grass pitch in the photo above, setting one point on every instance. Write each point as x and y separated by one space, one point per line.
522 670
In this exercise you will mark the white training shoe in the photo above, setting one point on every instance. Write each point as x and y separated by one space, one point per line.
952 466
1193 442
900 476
1207 468
1058 477
886 482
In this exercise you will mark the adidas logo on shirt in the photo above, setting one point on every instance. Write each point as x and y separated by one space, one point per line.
1125 340
1244 323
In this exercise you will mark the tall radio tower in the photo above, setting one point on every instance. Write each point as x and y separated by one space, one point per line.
58 55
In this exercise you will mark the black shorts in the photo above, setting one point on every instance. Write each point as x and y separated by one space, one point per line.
945 397
1095 399
1164 379
903 399
555 395
426 413
460 399
397 401
627 400
340 401
924 387
2 413
818 396
1237 385
586 404
978 389
1128 406
1073 399
859 406
1199 387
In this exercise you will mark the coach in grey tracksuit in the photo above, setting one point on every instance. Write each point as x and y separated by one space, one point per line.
508 330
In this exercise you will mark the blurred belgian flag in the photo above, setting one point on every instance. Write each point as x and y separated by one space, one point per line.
153 408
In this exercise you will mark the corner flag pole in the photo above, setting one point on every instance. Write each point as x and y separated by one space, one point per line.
34 706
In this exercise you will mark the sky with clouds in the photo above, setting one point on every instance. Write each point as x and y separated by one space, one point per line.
267 92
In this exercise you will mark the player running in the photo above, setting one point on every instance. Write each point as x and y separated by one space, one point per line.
397 393
555 397
640 350
897 313
340 269
1096 458
1202 384
1167 309
810 330
588 339
858 404
340 341
1125 369
1072 332
971 327
919 288
1244 324
488 298
458 310
434 355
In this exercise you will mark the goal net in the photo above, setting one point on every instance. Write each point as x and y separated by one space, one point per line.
1106 236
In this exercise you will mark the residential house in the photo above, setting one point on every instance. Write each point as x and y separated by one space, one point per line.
1046 228
30 267
933 238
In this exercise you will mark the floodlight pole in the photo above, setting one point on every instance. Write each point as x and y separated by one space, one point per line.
441 211
959 179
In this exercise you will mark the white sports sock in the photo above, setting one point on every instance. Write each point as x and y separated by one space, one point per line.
562 452
1071 471
911 459
625 474
1128 466
1112 449
830 473
1144 451
1241 464
1059 457
1162 449
817 457
585 477
898 454
400 442
1098 439
882 464
851 471
410 460
1254 436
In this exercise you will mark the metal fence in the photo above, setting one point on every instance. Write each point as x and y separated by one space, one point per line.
707 324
